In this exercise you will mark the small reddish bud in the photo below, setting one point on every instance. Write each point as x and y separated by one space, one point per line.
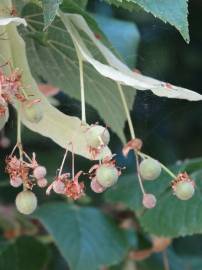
59 187
39 172
16 182
42 182
149 201
96 187
5 142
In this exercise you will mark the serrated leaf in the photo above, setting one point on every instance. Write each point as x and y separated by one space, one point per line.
50 9
55 60
22 254
171 217
173 12
86 238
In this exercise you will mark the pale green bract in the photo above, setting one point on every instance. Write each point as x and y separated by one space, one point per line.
61 128
117 70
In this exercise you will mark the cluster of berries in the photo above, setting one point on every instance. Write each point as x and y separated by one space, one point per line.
102 175
150 169
26 172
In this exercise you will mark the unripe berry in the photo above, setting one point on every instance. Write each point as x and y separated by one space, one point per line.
58 187
96 187
149 201
39 172
97 136
16 182
42 182
150 169
32 111
184 190
107 176
103 153
26 202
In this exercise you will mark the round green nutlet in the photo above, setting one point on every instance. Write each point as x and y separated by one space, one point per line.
107 176
150 169
97 136
26 202
33 112
184 190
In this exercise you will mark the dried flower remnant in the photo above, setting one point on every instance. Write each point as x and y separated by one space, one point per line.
12 90
67 185
21 170
74 189
11 86
134 144
183 187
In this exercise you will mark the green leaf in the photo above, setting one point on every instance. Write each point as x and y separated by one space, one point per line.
86 238
171 11
22 254
50 8
82 3
171 217
56 62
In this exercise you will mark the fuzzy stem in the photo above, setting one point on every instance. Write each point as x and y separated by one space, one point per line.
19 139
127 112
73 172
63 161
165 260
83 105
138 173
132 133
162 166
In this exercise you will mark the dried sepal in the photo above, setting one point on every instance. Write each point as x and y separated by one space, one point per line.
183 186
134 144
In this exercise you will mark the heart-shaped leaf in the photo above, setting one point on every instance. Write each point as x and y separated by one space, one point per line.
86 238
173 12
171 217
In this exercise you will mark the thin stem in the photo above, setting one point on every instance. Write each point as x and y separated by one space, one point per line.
24 92
132 133
163 166
127 112
83 105
19 140
63 161
165 260
138 172
73 172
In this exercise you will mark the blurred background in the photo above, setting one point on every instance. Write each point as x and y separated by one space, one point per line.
171 129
